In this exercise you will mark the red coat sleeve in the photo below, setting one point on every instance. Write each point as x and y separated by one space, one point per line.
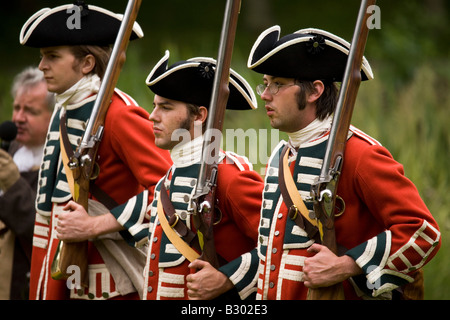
128 154
386 226
239 190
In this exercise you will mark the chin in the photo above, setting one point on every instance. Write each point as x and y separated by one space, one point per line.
163 145
274 124
22 139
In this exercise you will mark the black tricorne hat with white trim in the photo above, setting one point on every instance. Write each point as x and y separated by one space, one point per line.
307 54
192 80
73 24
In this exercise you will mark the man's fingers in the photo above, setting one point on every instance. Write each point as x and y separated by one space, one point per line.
315 248
197 264
70 206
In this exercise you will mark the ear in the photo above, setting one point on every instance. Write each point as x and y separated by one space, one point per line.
318 90
203 114
88 64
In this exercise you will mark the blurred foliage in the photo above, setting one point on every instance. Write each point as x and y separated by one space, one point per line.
406 107
412 122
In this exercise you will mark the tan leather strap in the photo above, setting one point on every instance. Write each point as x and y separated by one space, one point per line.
292 189
297 209
174 238
65 148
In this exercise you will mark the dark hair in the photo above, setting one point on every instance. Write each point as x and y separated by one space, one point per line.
326 104
101 54
194 110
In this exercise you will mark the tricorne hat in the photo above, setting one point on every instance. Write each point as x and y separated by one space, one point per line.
192 80
308 54
73 24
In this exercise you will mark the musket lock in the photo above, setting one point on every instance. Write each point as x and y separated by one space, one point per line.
326 198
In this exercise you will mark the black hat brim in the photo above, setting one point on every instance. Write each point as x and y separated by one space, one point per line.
192 80
308 54
56 27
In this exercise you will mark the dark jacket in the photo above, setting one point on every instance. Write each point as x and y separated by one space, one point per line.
17 212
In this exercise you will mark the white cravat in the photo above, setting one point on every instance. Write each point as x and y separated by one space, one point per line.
27 158
87 86
314 130
186 154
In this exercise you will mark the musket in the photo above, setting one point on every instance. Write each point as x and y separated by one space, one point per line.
82 164
323 192
204 196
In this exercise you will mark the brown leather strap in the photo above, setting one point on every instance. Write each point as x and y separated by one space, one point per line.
102 196
173 237
64 136
294 210
174 221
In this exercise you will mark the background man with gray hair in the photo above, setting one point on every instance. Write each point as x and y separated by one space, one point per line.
19 167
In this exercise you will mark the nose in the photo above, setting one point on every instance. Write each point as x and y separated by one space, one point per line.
266 95
153 116
19 116
42 64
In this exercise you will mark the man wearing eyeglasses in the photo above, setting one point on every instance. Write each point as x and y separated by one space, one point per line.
385 234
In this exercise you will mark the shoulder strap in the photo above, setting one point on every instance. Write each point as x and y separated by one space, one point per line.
185 236
66 153
292 198
174 221
174 238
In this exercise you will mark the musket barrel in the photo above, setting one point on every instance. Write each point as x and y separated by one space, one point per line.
109 73
220 92
330 173
350 78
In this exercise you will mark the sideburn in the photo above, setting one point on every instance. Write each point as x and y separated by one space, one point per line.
187 123
326 103
193 110
305 88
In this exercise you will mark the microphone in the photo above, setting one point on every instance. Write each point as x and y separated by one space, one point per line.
8 132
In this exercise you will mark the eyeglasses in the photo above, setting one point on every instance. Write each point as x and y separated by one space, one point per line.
273 88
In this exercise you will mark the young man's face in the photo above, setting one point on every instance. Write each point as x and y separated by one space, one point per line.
283 107
61 69
169 115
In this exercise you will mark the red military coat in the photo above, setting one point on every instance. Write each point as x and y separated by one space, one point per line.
238 192
386 227
129 164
